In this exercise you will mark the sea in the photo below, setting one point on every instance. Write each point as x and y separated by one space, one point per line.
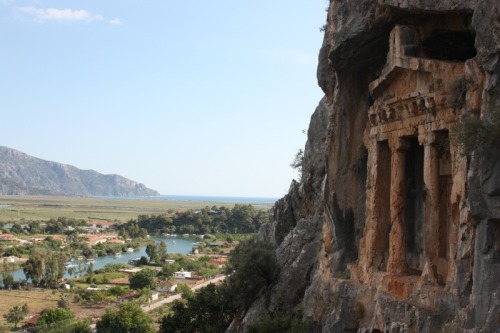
243 200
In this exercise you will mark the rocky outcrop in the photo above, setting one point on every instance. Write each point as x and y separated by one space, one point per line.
296 229
394 227
21 174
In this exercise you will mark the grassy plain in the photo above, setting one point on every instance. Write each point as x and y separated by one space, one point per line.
34 208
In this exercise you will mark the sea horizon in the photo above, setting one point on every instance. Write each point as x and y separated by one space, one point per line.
216 198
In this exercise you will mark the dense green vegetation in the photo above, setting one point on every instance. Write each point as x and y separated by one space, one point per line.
60 320
253 269
239 219
51 316
128 319
209 311
45 267
157 252
146 278
53 226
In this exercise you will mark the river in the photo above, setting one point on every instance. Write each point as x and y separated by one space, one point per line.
181 245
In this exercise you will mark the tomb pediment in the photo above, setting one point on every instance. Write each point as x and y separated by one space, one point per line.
414 89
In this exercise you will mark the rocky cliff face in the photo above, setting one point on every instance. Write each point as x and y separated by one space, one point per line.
393 226
21 174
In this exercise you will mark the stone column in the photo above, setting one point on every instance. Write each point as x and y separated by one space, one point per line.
366 255
377 225
431 201
397 264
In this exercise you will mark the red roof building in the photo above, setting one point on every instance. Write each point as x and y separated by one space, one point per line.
7 238
32 321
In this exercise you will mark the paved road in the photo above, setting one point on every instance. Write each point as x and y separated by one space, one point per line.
172 298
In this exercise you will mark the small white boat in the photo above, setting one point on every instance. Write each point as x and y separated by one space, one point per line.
118 255
130 249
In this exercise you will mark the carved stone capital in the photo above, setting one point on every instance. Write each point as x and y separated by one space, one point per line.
427 138
398 144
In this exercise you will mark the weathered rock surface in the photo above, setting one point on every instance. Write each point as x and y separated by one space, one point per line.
393 228
21 174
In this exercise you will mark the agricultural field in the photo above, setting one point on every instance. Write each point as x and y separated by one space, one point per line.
33 208
40 299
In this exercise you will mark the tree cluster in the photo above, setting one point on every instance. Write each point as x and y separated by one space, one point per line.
16 314
252 267
7 280
209 311
53 226
128 319
145 278
45 267
157 252
239 219
60 320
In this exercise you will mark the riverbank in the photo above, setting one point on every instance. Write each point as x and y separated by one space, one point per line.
181 245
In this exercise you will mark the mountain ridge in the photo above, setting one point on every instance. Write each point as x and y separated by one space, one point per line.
23 174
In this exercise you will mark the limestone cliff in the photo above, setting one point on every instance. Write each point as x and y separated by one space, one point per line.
394 226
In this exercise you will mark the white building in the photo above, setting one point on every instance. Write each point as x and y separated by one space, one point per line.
182 274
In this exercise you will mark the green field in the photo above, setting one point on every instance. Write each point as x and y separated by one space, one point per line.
33 208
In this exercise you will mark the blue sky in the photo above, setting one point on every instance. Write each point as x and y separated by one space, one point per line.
188 97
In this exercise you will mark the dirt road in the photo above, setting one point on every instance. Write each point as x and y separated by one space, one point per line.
170 299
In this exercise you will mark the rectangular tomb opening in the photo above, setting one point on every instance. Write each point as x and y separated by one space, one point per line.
414 210
382 204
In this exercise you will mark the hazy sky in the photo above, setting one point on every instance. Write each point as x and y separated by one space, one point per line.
188 97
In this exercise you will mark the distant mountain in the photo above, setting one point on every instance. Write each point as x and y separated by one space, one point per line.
22 174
